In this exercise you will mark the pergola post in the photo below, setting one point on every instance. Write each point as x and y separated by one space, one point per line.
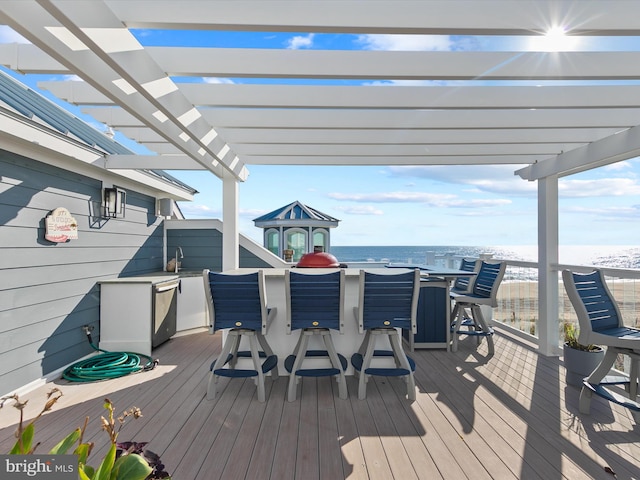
230 234
548 328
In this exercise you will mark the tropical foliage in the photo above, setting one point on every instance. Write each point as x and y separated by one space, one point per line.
123 461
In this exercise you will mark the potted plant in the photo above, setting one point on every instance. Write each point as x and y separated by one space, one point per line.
579 360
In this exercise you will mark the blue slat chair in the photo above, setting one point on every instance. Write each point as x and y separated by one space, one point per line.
465 284
601 323
387 302
315 305
238 303
467 315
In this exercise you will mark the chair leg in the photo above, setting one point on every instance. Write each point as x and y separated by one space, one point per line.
257 365
457 322
595 378
266 348
300 352
232 343
479 320
366 362
335 361
401 357
634 375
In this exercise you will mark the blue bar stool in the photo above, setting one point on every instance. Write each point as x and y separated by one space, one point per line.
315 305
238 302
387 302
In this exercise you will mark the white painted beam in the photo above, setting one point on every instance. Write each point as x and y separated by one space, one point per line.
377 97
455 17
614 148
397 149
402 120
395 65
391 160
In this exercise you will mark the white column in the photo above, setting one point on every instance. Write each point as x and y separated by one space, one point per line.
548 326
230 235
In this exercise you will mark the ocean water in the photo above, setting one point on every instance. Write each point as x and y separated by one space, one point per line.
612 256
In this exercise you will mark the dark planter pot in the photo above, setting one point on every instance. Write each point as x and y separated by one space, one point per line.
579 364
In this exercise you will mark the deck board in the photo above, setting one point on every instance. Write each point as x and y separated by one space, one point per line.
508 416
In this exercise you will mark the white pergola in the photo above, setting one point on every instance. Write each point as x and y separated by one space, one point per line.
551 131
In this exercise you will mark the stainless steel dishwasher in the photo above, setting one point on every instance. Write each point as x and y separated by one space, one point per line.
165 308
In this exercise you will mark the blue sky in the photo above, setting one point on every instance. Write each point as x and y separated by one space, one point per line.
431 205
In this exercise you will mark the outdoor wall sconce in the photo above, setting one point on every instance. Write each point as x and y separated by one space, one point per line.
114 202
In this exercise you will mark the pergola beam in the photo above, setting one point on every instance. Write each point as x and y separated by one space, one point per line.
602 152
436 17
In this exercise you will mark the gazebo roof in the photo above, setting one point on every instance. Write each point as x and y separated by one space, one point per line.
296 214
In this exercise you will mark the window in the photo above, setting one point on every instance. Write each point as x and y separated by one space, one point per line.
273 241
296 240
320 239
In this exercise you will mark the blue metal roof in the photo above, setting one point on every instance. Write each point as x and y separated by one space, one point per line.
30 103
295 213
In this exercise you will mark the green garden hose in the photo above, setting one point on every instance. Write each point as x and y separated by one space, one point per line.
107 365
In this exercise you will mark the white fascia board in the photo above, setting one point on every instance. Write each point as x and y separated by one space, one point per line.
156 187
155 162
615 148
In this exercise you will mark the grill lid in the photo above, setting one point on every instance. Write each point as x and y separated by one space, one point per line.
318 259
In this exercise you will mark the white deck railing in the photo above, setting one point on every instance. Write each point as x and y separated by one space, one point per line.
518 294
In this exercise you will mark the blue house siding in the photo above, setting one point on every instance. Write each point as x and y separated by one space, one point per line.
202 248
47 290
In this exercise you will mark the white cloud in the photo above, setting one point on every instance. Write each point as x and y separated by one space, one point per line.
431 199
300 41
405 42
191 210
624 165
252 212
498 179
602 187
8 35
361 210
608 213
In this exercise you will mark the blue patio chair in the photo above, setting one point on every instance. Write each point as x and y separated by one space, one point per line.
387 303
238 303
315 305
601 323
467 313
465 284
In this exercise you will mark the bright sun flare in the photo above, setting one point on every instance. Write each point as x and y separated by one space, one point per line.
555 40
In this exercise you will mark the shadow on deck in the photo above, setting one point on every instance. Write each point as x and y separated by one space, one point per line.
507 416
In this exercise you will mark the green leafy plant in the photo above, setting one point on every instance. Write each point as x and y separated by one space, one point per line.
571 339
123 461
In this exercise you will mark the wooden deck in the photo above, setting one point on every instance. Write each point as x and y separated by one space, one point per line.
509 416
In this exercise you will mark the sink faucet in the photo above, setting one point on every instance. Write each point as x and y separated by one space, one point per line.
179 255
